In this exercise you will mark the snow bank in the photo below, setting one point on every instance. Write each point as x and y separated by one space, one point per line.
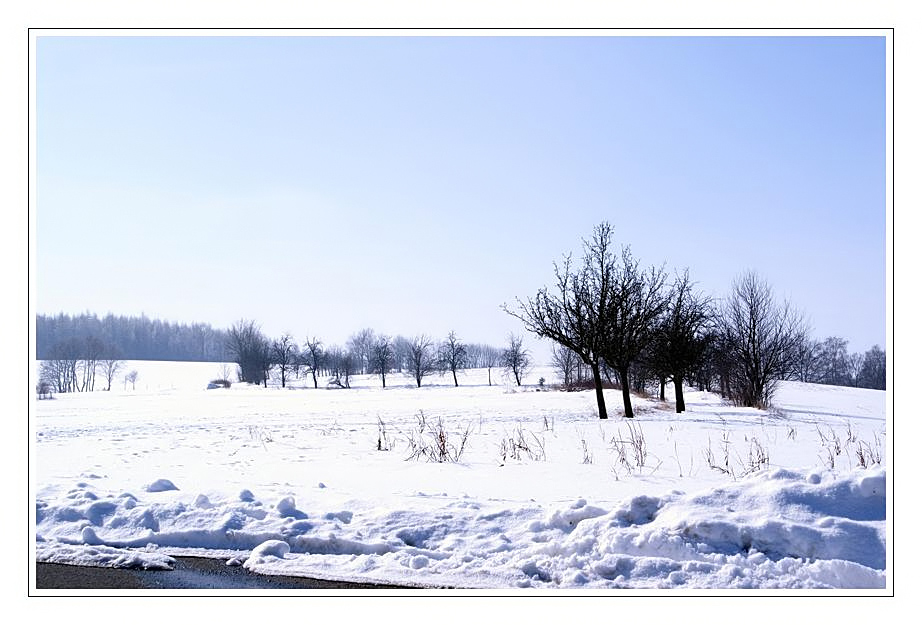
775 529
101 556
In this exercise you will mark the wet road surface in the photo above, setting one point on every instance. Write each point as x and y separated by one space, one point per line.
188 573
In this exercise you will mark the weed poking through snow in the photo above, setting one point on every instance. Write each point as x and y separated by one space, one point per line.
385 442
520 445
432 443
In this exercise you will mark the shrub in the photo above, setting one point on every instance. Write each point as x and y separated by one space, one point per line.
434 444
518 445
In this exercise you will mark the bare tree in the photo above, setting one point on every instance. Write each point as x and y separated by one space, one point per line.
516 358
313 356
761 338
110 368
285 356
453 355
680 340
131 377
422 358
73 364
636 300
382 357
251 351
577 316
51 375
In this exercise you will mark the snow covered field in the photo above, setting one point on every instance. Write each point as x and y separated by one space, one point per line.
337 483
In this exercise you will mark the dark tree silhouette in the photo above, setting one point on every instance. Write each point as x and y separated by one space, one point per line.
681 337
636 300
516 358
285 356
577 315
761 339
382 357
251 350
453 355
422 358
314 357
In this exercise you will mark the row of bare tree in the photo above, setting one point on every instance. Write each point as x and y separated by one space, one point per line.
613 321
74 364
366 352
829 362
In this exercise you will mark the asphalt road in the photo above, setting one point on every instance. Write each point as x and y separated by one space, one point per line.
188 573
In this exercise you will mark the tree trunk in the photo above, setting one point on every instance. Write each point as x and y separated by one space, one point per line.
455 375
679 397
626 393
599 396
662 388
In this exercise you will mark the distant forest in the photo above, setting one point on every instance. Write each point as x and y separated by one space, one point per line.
128 338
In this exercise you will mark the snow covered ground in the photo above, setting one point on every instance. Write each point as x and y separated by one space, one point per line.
341 484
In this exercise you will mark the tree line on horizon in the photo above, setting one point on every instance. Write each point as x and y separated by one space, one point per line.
73 356
127 338
612 321
260 359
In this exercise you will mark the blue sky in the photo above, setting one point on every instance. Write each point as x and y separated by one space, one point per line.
323 185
